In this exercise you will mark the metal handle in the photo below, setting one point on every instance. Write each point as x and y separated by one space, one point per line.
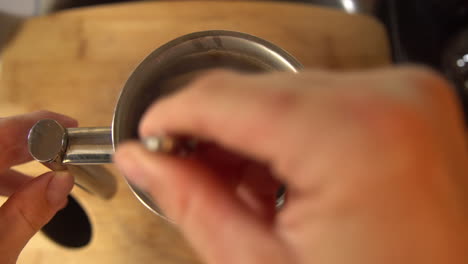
52 144
88 146
78 150
56 146
60 148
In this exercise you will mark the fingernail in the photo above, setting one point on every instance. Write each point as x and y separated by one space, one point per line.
59 188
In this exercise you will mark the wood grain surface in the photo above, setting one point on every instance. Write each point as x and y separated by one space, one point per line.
75 62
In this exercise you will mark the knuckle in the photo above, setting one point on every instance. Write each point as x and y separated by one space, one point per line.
281 99
398 123
28 207
28 219
276 105
433 93
428 83
385 118
272 109
43 113
419 73
21 213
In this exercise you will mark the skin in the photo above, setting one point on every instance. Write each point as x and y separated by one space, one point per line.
374 161
32 202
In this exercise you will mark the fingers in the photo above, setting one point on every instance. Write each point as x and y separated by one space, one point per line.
240 112
258 189
279 118
252 181
30 208
14 133
11 180
203 205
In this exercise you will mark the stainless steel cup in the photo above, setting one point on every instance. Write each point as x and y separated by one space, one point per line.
163 72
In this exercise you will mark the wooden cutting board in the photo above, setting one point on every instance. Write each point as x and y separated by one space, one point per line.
75 62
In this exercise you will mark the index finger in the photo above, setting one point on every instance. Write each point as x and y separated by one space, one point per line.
14 133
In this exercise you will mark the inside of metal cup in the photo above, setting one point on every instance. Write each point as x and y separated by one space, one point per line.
176 63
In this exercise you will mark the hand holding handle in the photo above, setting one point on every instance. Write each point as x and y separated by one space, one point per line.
60 148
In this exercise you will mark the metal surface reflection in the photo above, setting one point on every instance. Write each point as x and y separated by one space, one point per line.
350 6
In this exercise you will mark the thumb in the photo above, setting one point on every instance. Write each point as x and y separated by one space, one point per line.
29 209
219 226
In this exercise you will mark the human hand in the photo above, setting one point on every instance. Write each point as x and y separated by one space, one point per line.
32 201
375 164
